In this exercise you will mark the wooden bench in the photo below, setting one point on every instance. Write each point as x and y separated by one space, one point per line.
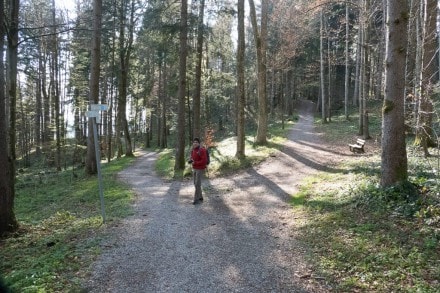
358 147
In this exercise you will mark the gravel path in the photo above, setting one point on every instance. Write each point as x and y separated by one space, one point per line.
241 239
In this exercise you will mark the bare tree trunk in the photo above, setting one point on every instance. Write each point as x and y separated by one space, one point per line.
347 66
261 44
361 68
164 106
321 49
95 70
110 112
55 90
394 165
197 91
124 58
358 64
417 5
366 79
38 102
8 222
429 76
183 52
329 77
380 65
241 98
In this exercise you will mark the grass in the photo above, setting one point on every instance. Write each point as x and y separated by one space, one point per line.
366 239
60 227
361 238
60 216
222 154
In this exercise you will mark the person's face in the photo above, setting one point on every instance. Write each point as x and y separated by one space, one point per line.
195 143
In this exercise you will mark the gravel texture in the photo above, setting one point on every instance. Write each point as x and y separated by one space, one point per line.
240 239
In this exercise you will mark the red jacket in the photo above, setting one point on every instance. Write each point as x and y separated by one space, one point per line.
199 157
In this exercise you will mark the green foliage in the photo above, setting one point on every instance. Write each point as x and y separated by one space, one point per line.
60 230
368 238
388 106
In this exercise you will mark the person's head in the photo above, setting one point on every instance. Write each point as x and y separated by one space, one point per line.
196 142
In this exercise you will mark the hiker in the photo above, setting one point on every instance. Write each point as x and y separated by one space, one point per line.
199 161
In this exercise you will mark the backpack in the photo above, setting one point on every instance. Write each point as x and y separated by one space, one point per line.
208 159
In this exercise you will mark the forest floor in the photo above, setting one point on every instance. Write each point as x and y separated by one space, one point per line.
240 239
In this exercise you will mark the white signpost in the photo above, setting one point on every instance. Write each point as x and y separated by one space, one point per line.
94 113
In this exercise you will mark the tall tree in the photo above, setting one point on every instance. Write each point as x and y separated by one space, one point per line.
183 52
55 91
94 83
429 76
241 98
198 81
261 45
125 49
321 50
394 158
347 58
8 27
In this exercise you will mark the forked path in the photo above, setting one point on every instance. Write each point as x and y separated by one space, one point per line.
241 239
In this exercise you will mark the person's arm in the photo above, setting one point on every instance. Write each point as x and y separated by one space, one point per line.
191 160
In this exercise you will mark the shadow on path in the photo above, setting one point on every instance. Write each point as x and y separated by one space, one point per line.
239 240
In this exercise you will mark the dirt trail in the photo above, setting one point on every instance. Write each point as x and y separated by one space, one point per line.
240 239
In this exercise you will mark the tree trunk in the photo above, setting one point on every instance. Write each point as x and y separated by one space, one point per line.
8 222
394 167
125 47
183 52
198 88
357 78
418 60
95 69
261 44
429 76
55 90
241 99
38 102
329 77
347 56
362 67
164 132
322 73
380 58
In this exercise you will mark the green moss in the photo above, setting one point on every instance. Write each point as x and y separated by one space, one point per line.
388 106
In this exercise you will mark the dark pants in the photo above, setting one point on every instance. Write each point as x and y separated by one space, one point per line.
197 176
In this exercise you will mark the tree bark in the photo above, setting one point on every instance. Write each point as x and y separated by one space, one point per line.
322 73
8 222
347 58
394 167
125 47
429 77
94 84
241 98
55 89
261 44
198 88
183 52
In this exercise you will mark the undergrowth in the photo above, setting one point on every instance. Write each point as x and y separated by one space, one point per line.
60 223
365 238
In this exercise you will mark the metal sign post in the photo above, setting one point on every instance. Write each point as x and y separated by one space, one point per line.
94 114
